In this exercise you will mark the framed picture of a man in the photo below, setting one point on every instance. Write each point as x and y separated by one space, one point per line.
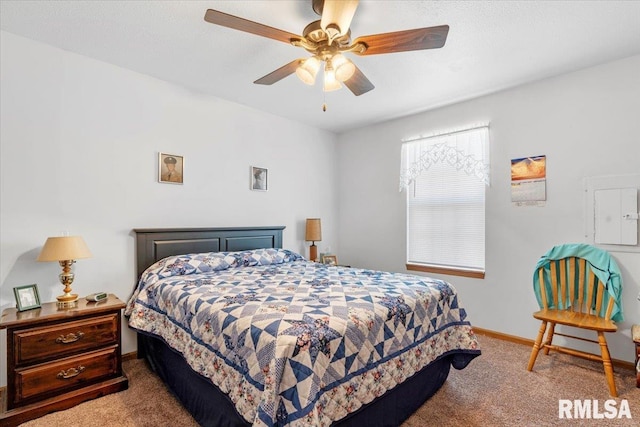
170 168
258 179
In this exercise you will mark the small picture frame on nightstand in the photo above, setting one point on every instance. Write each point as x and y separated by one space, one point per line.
27 297
330 259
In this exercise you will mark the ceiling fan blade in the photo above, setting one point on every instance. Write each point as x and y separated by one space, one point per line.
401 41
358 83
339 13
230 21
280 73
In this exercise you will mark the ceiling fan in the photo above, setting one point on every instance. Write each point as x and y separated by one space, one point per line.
327 39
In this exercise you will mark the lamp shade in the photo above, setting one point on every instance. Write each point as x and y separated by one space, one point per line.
64 248
308 69
330 81
313 232
344 67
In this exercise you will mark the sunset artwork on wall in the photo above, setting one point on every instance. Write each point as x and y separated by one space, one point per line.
529 181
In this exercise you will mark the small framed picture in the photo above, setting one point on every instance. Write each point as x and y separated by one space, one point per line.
170 168
27 297
330 259
258 179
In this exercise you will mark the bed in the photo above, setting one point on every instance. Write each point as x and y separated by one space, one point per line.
244 332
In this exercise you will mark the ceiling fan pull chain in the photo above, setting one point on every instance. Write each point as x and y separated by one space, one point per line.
324 101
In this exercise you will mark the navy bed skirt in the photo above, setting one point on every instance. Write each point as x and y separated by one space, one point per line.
212 408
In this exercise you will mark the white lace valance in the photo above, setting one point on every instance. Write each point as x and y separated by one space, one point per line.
466 151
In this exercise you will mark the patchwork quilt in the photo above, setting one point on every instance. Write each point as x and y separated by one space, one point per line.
294 342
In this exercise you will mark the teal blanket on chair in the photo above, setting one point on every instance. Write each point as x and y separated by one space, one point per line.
598 260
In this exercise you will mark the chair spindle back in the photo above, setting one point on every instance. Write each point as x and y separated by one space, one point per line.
569 285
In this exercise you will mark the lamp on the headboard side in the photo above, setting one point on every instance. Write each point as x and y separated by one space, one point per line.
313 234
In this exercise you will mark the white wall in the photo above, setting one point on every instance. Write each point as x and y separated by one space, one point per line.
586 123
79 146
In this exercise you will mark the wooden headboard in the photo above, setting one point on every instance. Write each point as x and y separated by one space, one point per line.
153 244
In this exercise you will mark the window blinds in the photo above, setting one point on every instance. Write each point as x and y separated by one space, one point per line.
445 176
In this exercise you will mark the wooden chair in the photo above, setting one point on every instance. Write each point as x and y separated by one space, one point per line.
576 287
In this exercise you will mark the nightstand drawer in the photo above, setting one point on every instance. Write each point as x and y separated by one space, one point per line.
60 376
62 339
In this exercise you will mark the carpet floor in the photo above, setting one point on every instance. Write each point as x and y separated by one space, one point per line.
494 390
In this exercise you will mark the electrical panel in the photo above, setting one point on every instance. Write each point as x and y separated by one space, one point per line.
616 216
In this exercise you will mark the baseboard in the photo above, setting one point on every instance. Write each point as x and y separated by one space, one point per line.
503 337
130 356
528 342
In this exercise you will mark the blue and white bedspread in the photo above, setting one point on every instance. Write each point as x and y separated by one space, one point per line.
294 342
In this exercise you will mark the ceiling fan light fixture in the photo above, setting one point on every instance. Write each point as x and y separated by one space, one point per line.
326 38
308 70
330 81
343 66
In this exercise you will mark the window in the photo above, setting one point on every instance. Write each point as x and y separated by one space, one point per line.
445 178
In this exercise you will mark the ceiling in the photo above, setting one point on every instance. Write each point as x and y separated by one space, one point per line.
492 45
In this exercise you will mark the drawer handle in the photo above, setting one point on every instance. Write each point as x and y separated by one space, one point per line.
71 372
70 338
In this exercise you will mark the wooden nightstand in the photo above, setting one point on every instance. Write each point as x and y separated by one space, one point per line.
58 358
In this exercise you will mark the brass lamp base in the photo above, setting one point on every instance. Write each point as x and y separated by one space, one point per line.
67 304
67 300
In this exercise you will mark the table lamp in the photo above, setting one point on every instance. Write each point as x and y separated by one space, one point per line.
65 250
313 234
